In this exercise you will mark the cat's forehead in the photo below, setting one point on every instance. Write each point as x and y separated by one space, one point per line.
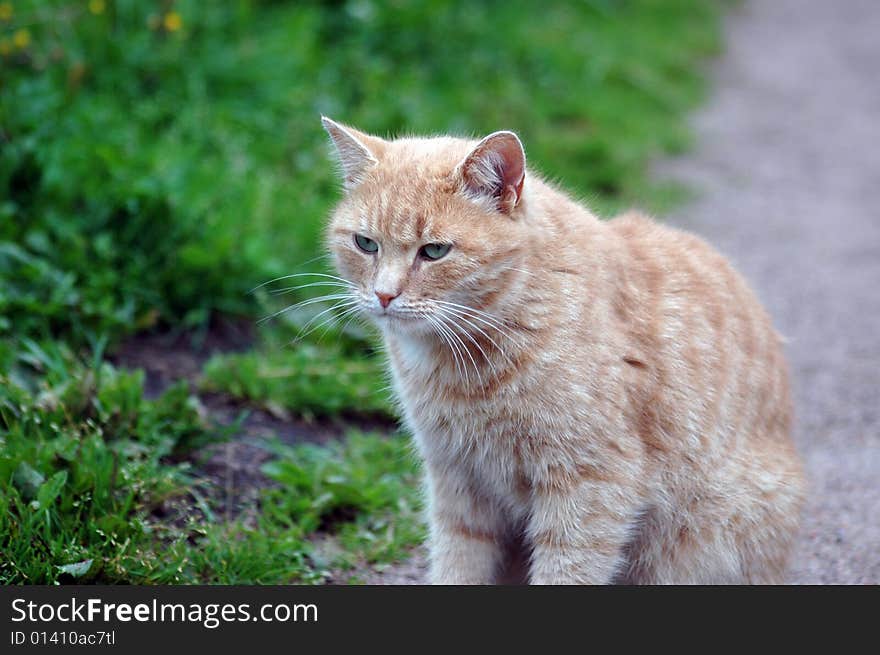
424 163
410 195
405 208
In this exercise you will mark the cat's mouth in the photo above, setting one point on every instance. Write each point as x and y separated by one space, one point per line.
403 318
396 314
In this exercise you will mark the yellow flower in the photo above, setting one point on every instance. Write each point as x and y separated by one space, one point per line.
5 47
5 11
97 6
21 39
173 21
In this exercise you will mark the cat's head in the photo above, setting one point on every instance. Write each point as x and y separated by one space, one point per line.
429 231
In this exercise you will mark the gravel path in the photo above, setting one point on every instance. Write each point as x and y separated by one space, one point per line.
788 170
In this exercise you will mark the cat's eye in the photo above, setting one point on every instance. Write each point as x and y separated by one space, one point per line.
434 250
366 244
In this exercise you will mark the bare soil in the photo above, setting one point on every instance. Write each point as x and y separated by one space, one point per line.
227 473
167 357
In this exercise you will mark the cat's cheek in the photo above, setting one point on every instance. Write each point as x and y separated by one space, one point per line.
351 265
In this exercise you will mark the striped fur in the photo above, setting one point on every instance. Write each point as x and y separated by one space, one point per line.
614 405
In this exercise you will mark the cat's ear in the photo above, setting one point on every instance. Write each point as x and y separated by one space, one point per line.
357 151
496 169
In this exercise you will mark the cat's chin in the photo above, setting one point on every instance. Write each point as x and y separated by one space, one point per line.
402 325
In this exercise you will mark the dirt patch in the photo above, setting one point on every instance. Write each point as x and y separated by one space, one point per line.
230 479
231 470
228 476
290 429
167 357
411 571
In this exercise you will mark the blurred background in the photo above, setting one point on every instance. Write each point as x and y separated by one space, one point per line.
160 160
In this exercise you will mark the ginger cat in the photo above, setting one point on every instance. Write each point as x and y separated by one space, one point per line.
595 401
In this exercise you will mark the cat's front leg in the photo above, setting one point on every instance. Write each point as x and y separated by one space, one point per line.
578 532
465 529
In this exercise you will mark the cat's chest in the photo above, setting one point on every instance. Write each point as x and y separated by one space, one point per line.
488 452
450 410
448 380
475 411
480 437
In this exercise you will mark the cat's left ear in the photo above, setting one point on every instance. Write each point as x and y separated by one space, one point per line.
496 169
357 151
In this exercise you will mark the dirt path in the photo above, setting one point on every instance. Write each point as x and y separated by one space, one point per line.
788 170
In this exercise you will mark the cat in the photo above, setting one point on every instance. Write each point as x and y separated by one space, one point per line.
595 401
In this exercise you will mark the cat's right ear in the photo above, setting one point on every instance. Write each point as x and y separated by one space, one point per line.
357 151
496 169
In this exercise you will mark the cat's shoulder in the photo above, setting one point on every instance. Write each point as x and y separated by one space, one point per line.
638 226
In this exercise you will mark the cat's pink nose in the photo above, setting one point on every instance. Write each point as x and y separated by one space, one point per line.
386 298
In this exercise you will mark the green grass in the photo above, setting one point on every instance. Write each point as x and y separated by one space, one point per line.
83 460
363 491
159 160
87 461
312 380
156 176
350 503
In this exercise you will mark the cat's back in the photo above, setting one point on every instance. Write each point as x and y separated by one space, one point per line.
707 357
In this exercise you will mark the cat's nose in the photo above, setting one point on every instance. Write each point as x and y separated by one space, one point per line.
386 298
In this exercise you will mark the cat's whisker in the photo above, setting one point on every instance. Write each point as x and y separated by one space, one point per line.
464 347
482 351
503 331
464 313
486 319
327 322
432 322
292 275
472 340
499 321
462 316
326 255
354 316
451 326
277 292
305 303
443 333
350 303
